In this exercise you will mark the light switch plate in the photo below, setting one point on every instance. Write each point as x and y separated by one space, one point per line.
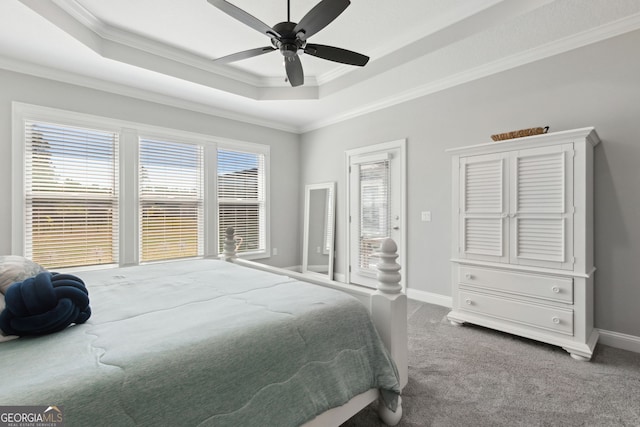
426 216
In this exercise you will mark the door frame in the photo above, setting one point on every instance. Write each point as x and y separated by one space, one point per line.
385 147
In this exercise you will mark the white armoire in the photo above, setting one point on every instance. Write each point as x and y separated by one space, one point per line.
522 244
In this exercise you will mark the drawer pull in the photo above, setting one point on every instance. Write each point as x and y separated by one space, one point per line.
556 290
468 276
556 320
468 301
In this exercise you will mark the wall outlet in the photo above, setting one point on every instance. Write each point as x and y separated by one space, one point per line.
426 216
274 251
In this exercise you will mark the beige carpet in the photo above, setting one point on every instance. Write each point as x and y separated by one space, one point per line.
472 376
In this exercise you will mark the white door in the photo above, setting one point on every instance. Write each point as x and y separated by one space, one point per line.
482 212
542 207
376 208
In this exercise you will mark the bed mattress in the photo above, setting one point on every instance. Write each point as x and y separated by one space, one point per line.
201 342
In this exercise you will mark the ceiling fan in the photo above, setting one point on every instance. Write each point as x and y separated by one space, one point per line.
290 37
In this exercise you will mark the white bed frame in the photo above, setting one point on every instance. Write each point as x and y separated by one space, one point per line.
388 308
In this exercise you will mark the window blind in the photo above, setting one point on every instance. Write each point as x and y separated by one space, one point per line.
71 195
374 212
171 200
241 199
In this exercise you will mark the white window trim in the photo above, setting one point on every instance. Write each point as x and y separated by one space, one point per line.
233 145
201 194
379 152
128 168
21 113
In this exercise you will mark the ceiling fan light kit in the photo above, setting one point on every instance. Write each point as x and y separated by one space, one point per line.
290 37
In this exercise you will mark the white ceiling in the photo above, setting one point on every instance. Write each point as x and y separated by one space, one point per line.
162 50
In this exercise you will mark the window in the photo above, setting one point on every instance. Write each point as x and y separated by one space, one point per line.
71 198
90 190
241 199
374 213
171 200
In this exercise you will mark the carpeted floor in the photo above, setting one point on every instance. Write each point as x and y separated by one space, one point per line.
472 376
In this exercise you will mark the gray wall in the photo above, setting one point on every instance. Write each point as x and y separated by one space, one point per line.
284 146
594 86
598 85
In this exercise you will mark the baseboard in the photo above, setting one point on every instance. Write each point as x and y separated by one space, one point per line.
618 340
430 298
610 338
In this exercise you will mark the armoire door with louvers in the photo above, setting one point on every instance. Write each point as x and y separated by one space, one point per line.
483 208
541 207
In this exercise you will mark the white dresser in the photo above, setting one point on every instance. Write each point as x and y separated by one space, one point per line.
523 238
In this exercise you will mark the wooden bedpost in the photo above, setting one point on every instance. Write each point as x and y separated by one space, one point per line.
229 252
391 303
389 311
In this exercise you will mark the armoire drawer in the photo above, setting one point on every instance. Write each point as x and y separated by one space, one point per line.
553 288
544 317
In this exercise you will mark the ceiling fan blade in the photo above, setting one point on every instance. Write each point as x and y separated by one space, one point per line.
319 17
246 54
294 70
244 17
336 54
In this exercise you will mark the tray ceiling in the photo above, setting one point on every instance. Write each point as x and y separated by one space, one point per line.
163 50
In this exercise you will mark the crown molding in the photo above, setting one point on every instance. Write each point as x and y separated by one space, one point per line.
132 92
124 46
105 31
119 36
585 38
311 92
114 43
83 16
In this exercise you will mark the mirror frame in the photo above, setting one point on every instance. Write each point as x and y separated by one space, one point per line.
331 196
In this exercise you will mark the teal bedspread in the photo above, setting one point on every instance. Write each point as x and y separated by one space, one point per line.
201 343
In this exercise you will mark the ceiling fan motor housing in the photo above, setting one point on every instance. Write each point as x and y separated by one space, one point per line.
288 43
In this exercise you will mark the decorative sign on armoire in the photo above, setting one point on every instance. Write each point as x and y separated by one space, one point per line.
523 238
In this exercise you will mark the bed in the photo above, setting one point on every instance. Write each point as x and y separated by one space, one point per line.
214 343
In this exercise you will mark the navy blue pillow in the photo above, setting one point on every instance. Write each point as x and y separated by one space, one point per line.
46 303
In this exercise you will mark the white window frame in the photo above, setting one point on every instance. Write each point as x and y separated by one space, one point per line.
370 153
73 163
20 114
264 150
199 199
129 134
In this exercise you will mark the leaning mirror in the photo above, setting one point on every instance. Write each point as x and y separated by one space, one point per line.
319 225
